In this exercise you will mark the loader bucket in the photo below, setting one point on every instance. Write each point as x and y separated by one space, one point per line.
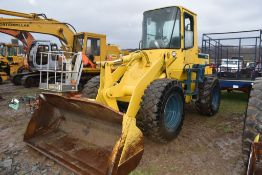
85 136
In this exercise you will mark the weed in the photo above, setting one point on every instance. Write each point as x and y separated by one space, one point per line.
233 102
227 129
146 171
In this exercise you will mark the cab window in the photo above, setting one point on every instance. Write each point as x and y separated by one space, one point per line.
93 47
188 30
161 29
12 51
42 48
2 50
54 47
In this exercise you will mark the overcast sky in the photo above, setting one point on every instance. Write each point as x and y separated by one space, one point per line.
121 20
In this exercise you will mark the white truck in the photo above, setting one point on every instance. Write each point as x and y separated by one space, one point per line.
233 64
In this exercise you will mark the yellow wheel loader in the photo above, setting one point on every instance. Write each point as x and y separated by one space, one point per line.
101 132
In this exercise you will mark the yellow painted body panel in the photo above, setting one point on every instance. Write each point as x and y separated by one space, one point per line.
3 76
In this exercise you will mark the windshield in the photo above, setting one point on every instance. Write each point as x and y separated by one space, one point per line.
12 51
161 29
78 43
2 50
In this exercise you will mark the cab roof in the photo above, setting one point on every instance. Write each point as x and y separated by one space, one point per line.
92 34
180 7
8 44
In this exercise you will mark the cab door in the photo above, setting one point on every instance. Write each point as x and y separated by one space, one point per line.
93 48
190 37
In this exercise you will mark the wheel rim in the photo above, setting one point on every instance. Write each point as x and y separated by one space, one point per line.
173 112
215 97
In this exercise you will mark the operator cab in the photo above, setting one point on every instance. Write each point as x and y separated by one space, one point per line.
12 50
166 28
8 49
91 45
38 54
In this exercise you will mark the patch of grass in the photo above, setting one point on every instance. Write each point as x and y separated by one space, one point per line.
146 171
227 129
233 102
173 168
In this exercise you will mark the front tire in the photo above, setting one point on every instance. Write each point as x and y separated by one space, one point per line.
91 87
209 97
30 81
161 112
253 117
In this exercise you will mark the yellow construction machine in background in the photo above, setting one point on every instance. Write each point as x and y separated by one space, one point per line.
92 45
102 131
10 60
26 38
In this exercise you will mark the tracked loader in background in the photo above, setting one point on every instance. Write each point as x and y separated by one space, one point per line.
101 132
11 60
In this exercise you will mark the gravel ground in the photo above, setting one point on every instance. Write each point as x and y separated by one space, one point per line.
204 146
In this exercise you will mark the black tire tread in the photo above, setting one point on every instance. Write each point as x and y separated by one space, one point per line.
91 87
147 118
253 117
203 104
29 81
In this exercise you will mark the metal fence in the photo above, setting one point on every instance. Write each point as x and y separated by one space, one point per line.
242 49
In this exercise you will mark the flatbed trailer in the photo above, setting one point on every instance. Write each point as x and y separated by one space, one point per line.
246 45
240 85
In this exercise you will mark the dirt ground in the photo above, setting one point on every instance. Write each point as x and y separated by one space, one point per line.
204 146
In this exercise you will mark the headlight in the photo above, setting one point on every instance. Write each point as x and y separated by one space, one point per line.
174 54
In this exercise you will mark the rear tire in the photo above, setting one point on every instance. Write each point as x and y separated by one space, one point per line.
91 87
90 90
161 112
253 117
209 97
17 80
30 81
